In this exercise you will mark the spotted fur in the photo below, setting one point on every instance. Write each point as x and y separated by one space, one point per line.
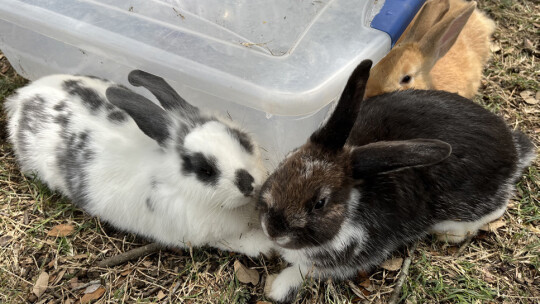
171 172
414 162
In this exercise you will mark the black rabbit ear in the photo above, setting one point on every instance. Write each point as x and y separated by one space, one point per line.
165 94
335 132
387 156
150 118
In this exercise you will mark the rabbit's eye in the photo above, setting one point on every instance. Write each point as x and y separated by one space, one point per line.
319 204
206 171
406 79
204 167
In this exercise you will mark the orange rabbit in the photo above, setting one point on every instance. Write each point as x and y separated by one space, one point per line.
445 47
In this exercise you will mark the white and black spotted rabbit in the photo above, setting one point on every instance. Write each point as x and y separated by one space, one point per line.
414 162
171 173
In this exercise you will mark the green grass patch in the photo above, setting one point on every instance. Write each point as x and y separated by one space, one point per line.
10 84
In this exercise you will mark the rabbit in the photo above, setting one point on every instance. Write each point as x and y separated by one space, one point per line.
173 173
445 47
382 173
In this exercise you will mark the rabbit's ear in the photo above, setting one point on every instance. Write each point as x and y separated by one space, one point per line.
335 132
430 13
149 117
165 94
441 37
387 156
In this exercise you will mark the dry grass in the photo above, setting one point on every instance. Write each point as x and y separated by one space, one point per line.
499 267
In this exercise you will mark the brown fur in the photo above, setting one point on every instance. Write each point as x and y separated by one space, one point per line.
458 71
311 169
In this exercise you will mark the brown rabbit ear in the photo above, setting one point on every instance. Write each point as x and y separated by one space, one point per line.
431 13
335 132
437 41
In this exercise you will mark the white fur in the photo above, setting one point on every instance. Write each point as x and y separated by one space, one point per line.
287 280
524 160
292 277
455 232
267 196
127 162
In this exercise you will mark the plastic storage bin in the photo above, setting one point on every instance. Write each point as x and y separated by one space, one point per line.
273 66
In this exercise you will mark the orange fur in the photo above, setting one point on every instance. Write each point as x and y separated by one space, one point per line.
459 70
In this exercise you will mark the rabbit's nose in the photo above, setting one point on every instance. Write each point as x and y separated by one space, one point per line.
244 182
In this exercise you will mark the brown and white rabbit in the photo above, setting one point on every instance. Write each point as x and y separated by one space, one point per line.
444 48
414 162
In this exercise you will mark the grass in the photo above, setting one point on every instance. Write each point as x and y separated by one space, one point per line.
501 266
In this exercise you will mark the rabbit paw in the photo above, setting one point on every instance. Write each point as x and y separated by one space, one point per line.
284 287
251 243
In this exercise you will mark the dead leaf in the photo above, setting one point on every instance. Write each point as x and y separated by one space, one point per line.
525 94
49 242
530 97
453 250
31 298
268 286
27 261
366 283
509 50
5 240
359 292
41 284
488 276
74 282
494 48
533 229
410 300
529 110
52 263
59 276
92 288
392 264
246 275
147 263
89 297
161 295
125 272
528 44
78 257
61 230
493 226
531 100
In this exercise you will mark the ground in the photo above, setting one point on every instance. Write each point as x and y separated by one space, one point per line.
500 265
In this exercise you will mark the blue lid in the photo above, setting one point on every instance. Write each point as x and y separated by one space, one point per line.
395 16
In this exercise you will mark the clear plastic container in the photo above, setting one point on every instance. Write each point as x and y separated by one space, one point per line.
274 66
